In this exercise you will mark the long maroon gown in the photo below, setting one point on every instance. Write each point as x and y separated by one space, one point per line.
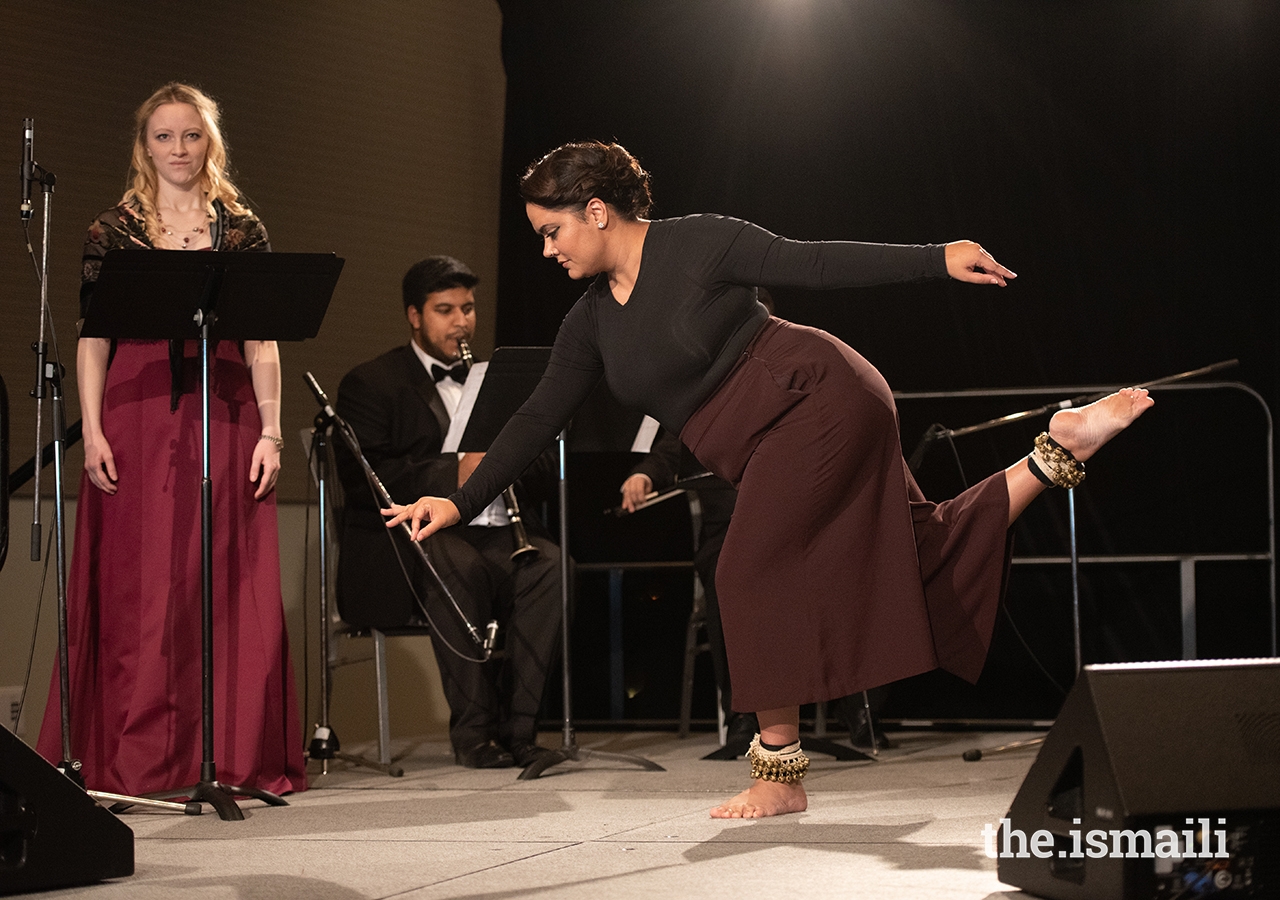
134 593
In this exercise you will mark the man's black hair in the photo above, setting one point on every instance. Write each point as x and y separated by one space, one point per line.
435 273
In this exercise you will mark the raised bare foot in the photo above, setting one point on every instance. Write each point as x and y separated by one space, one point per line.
1084 430
764 798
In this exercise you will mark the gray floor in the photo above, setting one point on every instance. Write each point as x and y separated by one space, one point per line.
909 825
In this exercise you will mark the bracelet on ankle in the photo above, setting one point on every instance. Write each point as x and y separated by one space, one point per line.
1037 471
1054 464
785 766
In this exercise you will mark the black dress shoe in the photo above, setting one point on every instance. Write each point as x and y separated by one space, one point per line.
484 755
853 715
739 732
526 753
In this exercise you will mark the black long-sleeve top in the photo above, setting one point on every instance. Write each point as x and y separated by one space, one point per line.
692 311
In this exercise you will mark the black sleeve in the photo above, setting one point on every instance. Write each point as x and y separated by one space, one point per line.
759 257
109 231
538 482
408 465
574 370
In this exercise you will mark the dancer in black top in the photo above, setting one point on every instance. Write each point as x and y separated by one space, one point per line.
836 574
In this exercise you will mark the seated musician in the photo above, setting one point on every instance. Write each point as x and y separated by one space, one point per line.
400 405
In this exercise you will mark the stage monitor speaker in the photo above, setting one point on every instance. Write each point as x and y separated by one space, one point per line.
53 834
1158 780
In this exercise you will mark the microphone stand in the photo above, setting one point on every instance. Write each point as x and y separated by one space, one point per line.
569 749
348 434
34 172
938 431
324 744
48 383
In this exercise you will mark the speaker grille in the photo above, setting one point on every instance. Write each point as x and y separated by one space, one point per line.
1260 736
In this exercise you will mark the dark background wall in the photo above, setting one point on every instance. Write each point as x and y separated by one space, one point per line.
1121 157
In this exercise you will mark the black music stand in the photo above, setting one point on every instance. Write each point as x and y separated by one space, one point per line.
176 295
511 376
507 380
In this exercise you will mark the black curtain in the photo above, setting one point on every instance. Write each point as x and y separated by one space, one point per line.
1120 156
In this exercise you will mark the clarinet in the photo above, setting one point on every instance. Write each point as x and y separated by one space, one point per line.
523 546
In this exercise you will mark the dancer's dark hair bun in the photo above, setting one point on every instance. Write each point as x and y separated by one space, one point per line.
573 174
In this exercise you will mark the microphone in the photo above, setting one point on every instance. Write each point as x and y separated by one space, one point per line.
28 165
320 396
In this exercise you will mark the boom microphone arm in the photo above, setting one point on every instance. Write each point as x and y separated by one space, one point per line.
384 497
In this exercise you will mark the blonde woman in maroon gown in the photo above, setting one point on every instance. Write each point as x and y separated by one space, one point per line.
134 590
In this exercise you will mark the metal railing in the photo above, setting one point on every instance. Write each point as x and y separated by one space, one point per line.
1186 561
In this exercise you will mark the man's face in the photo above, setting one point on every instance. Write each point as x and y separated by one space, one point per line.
445 317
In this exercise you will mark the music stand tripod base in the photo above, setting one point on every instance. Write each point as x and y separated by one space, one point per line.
581 754
121 802
219 796
387 769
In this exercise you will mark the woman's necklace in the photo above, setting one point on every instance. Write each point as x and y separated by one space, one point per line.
186 239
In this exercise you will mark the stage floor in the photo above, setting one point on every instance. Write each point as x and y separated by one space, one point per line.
909 825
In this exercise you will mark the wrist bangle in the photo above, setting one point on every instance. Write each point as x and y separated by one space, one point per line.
279 442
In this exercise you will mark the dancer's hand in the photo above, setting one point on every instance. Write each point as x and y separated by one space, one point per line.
100 464
967 261
425 517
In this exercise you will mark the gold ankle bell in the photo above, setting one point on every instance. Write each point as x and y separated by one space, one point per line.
1054 464
785 766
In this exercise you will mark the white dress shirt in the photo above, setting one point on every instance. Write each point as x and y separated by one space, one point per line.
450 391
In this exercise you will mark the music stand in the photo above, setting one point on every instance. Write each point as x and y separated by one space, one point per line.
509 379
217 295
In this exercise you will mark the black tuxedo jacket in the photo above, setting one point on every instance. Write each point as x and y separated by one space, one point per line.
392 404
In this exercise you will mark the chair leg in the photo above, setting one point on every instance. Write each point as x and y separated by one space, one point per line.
686 681
384 714
697 618
820 719
871 725
722 726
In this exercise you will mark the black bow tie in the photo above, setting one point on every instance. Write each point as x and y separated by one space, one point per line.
457 373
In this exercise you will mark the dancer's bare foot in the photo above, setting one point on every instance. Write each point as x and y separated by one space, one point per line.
1084 430
764 798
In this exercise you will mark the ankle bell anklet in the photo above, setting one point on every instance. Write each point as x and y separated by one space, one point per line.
1054 464
785 766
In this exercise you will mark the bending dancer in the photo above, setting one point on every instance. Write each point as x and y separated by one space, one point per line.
836 575
133 595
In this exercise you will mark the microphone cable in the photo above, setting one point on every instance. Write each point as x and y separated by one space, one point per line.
436 633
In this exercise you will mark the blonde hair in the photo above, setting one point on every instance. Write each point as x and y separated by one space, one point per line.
215 181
